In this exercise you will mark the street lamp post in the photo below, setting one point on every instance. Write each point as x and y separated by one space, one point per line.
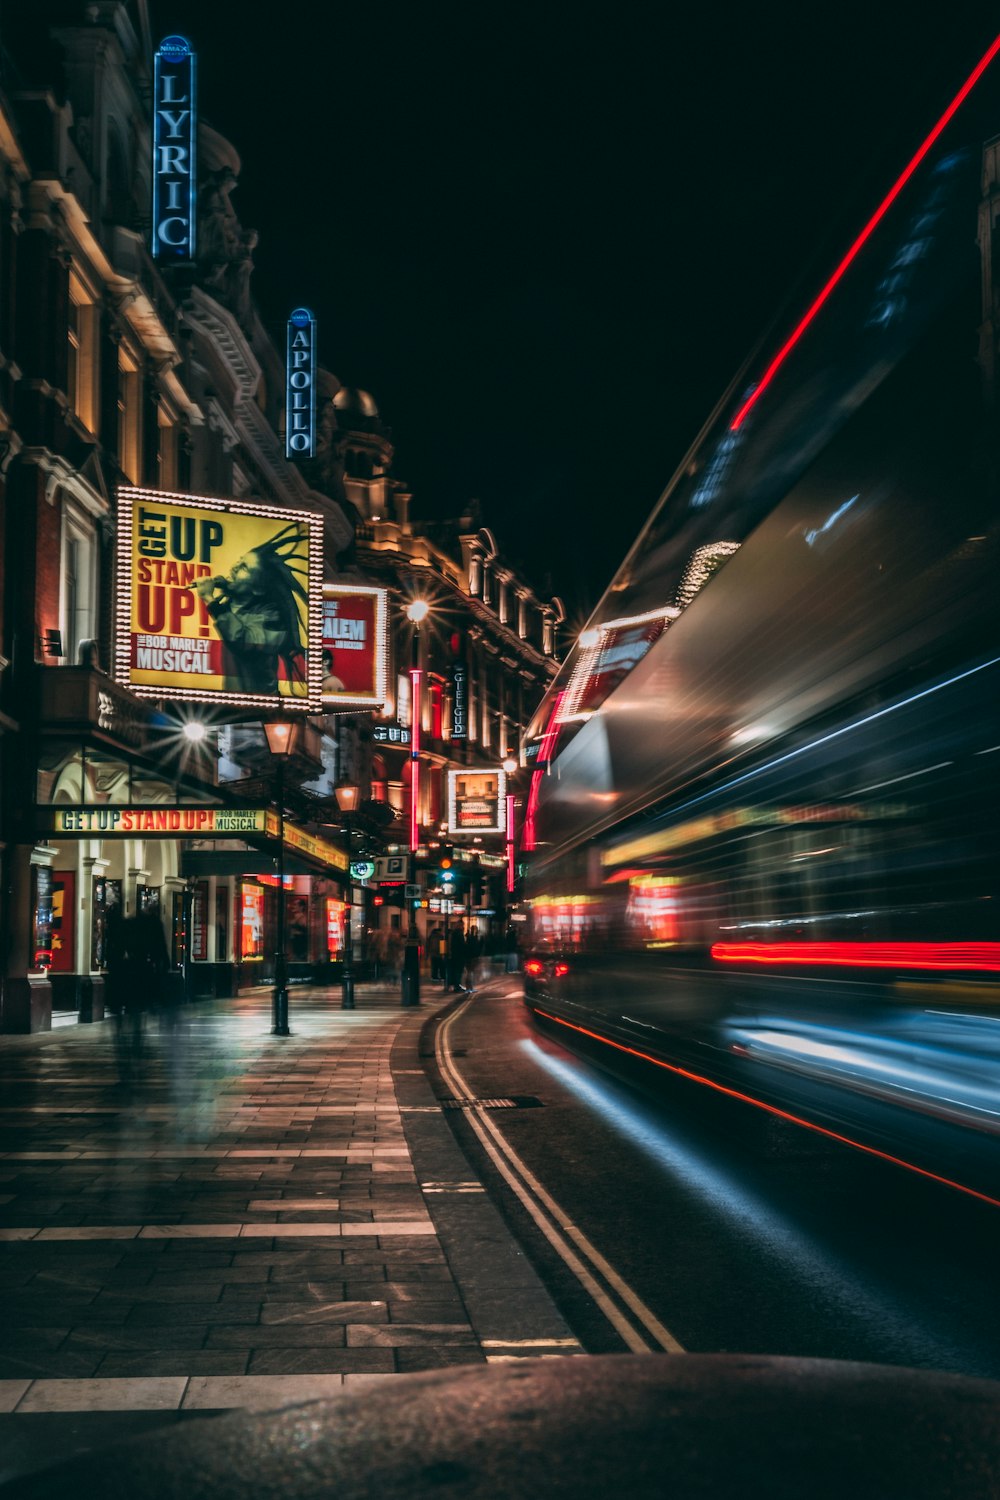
510 769
280 742
347 793
416 612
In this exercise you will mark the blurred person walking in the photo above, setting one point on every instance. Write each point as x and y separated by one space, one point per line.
473 953
456 958
435 939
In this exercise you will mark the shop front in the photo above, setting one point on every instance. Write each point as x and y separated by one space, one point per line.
234 907
97 840
315 924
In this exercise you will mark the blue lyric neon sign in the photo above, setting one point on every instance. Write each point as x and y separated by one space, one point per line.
300 385
174 136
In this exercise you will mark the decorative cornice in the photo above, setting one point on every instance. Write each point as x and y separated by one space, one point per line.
213 320
59 474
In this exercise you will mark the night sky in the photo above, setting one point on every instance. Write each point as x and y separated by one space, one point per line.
546 242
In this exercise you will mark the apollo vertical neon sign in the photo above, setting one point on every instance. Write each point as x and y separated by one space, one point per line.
174 139
300 385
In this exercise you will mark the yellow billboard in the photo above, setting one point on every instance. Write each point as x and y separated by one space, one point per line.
218 600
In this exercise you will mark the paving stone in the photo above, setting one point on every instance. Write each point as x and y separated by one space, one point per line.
157 1315
191 1336
318 1360
61 1362
402 1335
284 1312
106 1395
258 1392
409 1361
175 1362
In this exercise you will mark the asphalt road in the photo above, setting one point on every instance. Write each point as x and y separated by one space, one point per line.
740 1232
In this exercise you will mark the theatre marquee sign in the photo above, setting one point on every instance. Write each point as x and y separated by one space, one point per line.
184 822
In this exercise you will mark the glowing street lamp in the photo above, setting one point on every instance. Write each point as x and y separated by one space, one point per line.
280 742
347 794
416 612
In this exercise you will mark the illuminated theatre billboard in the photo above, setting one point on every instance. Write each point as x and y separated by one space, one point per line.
477 800
218 600
354 645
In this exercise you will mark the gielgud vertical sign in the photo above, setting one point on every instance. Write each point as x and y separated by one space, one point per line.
218 600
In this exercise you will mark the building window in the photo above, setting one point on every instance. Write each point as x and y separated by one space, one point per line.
380 780
79 582
548 633
166 458
81 333
485 717
403 700
129 415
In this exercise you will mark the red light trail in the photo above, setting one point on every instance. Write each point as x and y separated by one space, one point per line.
934 957
866 233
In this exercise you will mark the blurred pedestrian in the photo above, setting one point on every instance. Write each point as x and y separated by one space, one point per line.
511 944
434 938
456 958
394 955
126 995
380 940
473 953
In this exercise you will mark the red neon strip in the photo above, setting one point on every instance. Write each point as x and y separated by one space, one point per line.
771 1109
877 216
415 727
549 739
511 867
939 957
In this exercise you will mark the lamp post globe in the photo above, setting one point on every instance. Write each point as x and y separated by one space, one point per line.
347 794
281 742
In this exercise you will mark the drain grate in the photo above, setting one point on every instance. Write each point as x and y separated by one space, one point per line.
514 1101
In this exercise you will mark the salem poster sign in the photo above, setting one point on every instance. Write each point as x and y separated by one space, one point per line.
477 800
218 600
354 645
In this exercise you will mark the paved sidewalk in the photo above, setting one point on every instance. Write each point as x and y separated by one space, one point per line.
231 1219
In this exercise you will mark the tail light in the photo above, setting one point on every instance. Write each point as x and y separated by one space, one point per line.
534 967
560 970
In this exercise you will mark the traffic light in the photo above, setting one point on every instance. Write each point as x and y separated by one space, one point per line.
446 867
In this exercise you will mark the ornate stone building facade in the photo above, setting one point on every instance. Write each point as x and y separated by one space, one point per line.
111 371
116 369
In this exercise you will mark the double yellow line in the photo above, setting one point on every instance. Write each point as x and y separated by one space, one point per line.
636 1324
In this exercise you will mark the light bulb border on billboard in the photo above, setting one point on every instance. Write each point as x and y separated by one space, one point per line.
128 496
376 698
